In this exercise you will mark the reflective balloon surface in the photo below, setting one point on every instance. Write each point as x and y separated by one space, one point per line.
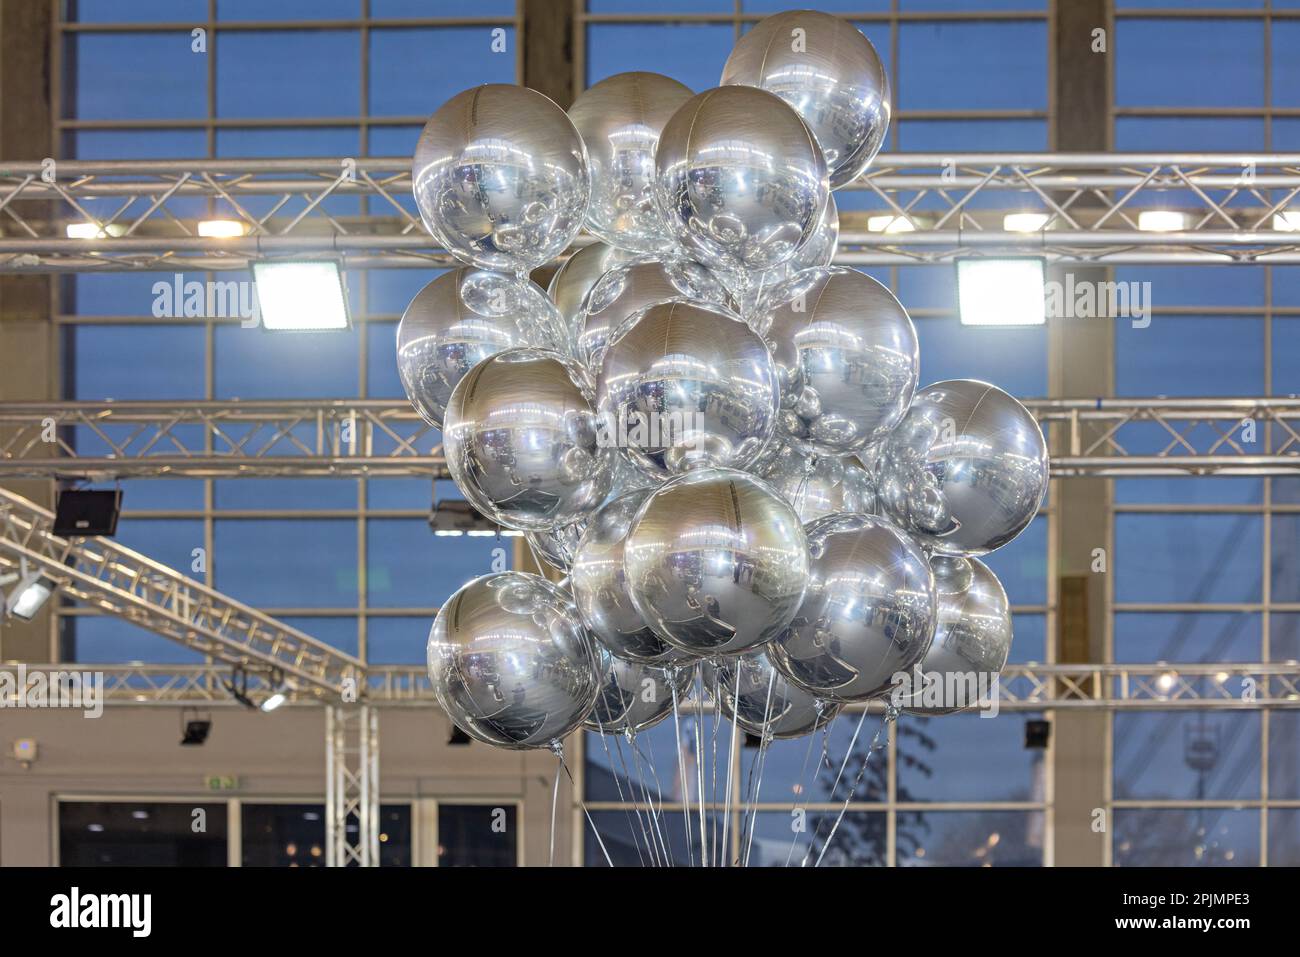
510 663
630 287
500 177
966 470
685 383
573 280
739 179
461 318
635 696
556 546
817 485
971 643
620 119
817 250
599 585
830 73
847 356
521 441
867 615
716 562
760 699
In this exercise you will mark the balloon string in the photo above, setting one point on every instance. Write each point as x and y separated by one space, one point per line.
890 714
646 833
699 761
618 785
732 750
555 800
681 773
558 748
655 830
716 856
659 787
803 776
755 786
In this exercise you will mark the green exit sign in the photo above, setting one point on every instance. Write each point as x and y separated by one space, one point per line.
221 782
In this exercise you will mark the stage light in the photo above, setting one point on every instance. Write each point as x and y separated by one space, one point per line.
452 518
1002 292
92 231
1024 222
221 228
1161 221
1287 221
195 728
301 296
889 223
30 596
279 695
85 512
1037 734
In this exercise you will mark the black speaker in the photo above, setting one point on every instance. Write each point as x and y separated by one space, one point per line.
87 512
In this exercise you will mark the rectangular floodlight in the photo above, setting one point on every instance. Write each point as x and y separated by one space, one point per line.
301 296
1002 292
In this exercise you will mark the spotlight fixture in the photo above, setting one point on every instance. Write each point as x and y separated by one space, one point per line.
237 688
1002 292
456 517
195 728
458 738
30 594
84 512
1287 221
889 223
304 296
1037 733
221 228
91 231
279 692
1024 222
1162 220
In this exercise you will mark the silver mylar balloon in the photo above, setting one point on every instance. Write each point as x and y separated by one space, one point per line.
574 279
461 318
633 695
716 562
739 179
830 73
971 642
632 286
683 383
867 615
817 250
521 441
599 585
620 119
556 546
817 485
965 471
847 356
750 689
510 662
500 177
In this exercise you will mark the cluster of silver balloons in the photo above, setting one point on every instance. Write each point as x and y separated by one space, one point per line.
712 437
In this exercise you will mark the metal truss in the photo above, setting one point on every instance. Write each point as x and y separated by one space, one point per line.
1023 687
143 215
385 438
352 786
121 582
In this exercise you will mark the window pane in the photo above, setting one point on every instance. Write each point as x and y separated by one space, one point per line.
283 73
1186 837
1187 558
859 841
283 835
478 835
116 76
966 757
286 563
103 639
1187 755
140 834
970 839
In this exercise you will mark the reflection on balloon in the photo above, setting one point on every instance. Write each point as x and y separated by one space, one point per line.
846 354
739 179
634 695
510 663
817 485
556 546
867 615
620 119
816 251
966 470
760 700
599 584
685 383
633 286
521 441
574 279
971 642
461 318
500 177
716 562
832 77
